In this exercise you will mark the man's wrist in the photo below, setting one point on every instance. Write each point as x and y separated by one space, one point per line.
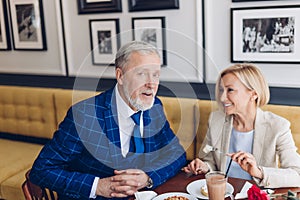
149 184
93 193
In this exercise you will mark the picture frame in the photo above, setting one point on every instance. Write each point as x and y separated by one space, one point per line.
250 0
144 5
99 6
105 40
265 34
4 27
151 30
28 28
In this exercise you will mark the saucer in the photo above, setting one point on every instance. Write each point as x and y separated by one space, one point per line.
194 189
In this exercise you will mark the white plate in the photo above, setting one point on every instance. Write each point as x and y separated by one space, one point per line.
145 195
171 194
194 188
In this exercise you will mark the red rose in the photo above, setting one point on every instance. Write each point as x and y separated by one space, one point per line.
254 193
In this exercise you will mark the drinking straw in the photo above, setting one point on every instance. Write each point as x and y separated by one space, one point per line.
228 168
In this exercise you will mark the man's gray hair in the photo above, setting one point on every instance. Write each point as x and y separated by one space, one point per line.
125 51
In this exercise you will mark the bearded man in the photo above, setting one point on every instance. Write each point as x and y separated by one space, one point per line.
116 143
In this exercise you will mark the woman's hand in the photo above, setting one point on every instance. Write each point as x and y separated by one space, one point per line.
196 167
247 162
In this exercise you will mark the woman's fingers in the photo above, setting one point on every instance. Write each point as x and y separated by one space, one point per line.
186 169
195 167
200 167
239 156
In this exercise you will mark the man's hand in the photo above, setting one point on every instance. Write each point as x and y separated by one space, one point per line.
105 187
123 184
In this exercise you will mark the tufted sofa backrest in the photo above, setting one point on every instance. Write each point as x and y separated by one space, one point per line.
27 111
36 112
65 98
183 116
291 113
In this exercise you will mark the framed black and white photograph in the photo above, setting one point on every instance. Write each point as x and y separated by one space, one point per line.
105 40
99 6
4 29
265 34
250 0
143 5
151 30
28 25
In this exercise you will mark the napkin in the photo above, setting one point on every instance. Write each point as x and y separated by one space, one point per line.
145 195
243 193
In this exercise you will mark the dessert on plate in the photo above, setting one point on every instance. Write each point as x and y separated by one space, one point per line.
204 190
176 198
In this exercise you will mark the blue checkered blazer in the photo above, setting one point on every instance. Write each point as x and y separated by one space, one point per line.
87 144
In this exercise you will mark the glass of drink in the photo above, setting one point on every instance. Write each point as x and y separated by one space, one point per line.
216 185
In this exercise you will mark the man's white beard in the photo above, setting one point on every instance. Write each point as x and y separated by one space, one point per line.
137 103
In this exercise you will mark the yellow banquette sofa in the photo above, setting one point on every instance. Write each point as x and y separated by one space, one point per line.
30 115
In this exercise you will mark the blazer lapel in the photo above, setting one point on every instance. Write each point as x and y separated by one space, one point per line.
112 128
226 133
259 135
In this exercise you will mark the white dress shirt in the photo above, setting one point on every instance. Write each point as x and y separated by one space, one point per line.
126 123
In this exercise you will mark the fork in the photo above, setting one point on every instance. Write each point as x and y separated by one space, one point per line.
209 148
218 151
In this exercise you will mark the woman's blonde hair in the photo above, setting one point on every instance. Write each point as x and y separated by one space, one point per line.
251 77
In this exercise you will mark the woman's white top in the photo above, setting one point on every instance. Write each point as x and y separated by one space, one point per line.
239 141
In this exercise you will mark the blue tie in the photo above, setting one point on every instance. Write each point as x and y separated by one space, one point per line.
138 140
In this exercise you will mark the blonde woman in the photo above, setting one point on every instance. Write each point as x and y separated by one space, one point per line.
256 140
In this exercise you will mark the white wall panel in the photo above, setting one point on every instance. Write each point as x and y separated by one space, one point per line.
49 62
218 43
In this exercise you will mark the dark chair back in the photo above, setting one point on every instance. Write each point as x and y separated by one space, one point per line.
34 192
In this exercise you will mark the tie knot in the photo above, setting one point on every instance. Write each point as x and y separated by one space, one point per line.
136 117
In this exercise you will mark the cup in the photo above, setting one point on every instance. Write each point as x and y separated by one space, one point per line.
216 185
